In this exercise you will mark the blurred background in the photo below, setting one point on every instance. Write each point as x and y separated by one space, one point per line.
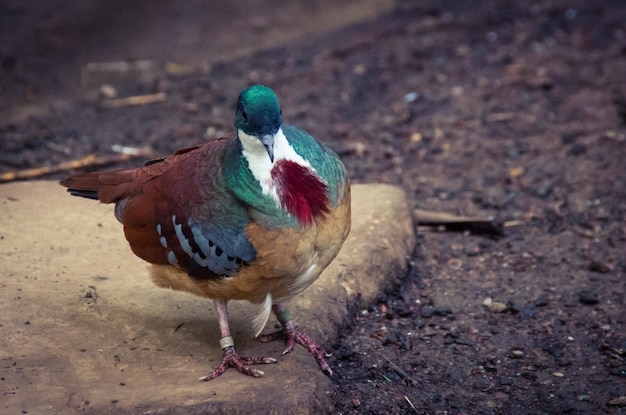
45 44
508 112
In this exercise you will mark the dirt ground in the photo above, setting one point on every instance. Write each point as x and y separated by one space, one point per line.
510 109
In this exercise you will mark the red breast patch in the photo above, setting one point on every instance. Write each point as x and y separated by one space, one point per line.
301 192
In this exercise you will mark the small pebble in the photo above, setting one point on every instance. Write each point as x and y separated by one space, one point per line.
517 354
416 137
541 301
482 385
420 323
411 96
600 267
602 214
471 250
621 401
570 14
526 312
107 91
486 243
498 307
443 310
544 190
505 381
577 149
569 137
427 311
564 361
588 297
490 368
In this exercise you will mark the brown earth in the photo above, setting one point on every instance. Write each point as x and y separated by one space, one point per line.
515 110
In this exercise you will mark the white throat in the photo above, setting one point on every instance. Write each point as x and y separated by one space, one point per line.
260 163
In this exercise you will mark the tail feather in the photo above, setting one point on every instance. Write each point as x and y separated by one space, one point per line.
116 185
108 186
87 194
260 320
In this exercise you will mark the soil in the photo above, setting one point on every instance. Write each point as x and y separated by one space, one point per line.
509 109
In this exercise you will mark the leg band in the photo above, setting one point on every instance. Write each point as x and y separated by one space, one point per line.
226 342
284 316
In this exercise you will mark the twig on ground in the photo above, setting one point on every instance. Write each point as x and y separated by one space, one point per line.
87 161
401 372
134 100
406 398
458 223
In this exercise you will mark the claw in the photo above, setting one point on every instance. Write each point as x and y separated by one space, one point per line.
293 335
242 364
318 352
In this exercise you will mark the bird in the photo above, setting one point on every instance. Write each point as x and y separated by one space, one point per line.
256 215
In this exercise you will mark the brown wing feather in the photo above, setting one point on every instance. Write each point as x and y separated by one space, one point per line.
149 196
115 185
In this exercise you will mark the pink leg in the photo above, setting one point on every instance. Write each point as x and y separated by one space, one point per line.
294 335
230 358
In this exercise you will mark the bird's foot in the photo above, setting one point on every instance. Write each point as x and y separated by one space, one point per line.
242 364
294 335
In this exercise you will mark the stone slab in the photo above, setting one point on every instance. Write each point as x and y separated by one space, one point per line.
84 330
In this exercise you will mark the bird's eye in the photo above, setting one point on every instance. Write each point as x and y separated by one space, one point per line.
244 115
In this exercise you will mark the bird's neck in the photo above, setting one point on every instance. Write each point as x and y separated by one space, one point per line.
289 180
